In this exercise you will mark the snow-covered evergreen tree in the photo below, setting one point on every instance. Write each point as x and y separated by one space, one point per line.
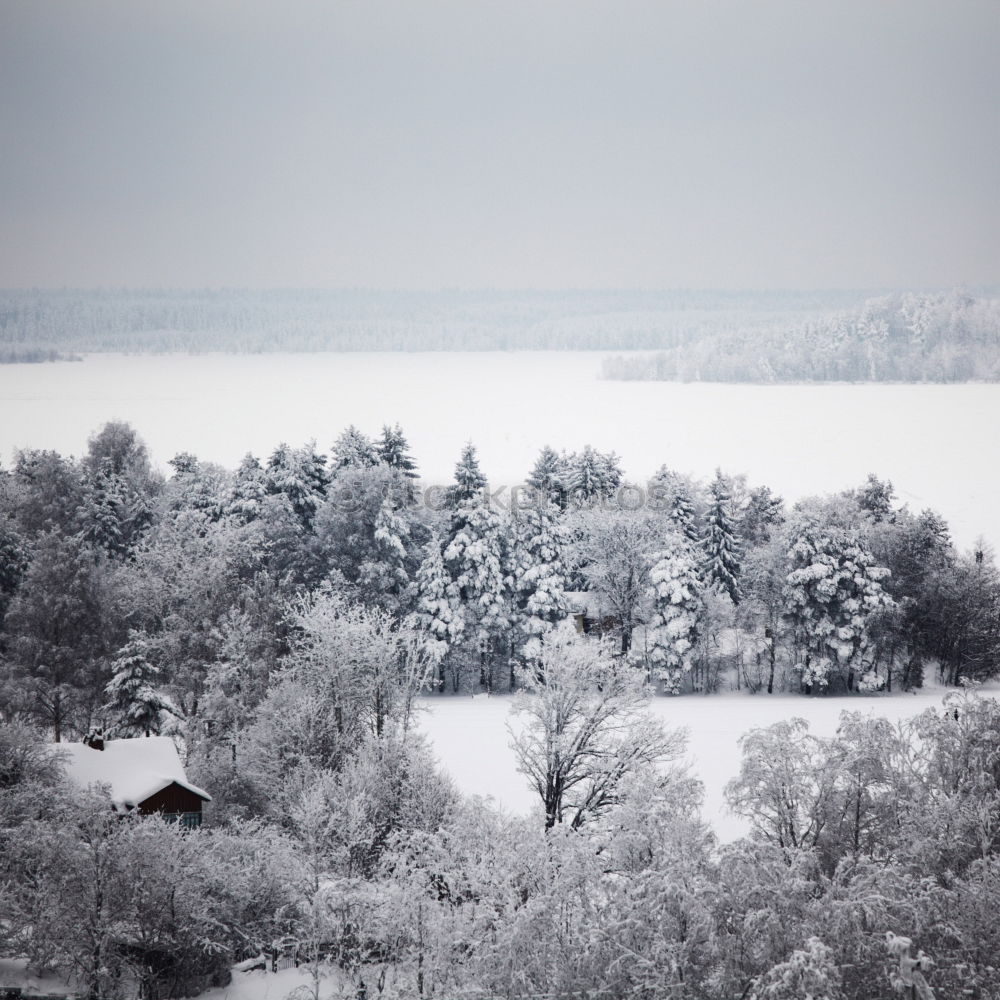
539 577
469 478
438 614
113 512
301 475
247 491
547 478
394 451
133 699
385 573
721 565
611 471
477 560
353 450
101 511
675 589
591 475
832 590
585 480
671 493
876 497
13 561
763 512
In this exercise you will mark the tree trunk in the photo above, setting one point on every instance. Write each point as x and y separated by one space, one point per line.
769 635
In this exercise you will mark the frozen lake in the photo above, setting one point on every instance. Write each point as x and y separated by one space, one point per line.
937 443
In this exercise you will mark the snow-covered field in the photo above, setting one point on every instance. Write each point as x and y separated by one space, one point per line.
936 442
470 738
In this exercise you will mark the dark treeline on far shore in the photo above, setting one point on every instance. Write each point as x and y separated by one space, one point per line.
34 322
279 622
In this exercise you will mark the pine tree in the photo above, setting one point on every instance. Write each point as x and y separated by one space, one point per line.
764 510
353 450
547 478
393 450
876 497
469 478
437 616
132 696
721 546
675 589
539 577
301 475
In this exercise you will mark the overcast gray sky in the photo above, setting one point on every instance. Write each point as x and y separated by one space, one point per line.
459 143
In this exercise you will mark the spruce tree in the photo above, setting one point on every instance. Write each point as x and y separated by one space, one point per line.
586 478
301 475
675 589
437 615
469 478
682 511
383 575
353 450
832 591
248 491
539 577
591 475
477 561
133 701
548 477
393 450
721 546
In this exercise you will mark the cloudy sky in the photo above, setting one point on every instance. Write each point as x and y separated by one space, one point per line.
466 143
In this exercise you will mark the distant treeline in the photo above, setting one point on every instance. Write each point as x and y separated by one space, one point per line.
244 321
11 354
943 337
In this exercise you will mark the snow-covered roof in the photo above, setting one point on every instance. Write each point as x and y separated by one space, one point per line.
584 602
134 768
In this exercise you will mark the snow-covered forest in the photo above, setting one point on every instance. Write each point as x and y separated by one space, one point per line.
942 337
701 336
283 621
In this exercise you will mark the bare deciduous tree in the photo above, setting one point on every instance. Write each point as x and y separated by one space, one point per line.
585 730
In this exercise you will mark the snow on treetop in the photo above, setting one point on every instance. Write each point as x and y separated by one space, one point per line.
134 769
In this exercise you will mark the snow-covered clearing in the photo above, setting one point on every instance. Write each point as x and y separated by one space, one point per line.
472 742
934 442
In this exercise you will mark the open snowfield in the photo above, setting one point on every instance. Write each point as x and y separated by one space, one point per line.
472 742
937 443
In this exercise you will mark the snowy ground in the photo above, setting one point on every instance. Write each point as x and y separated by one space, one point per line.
245 985
14 972
933 441
472 742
